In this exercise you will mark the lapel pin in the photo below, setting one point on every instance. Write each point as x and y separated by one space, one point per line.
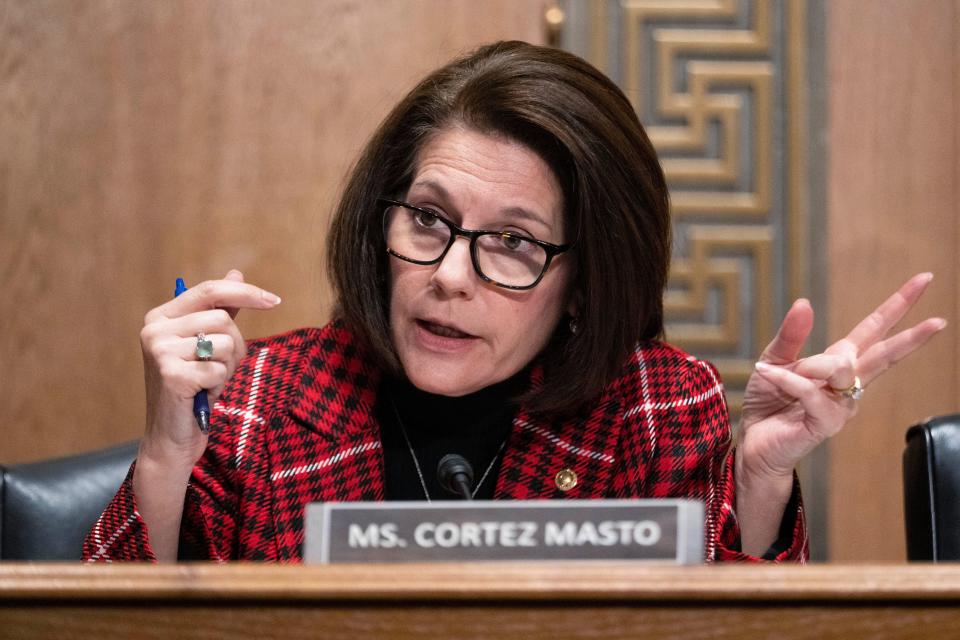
566 479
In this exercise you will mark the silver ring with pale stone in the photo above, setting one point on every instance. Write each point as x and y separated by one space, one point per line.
204 348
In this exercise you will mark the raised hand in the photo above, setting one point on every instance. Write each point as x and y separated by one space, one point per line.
791 405
174 373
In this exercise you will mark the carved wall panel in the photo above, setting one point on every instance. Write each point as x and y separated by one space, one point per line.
720 86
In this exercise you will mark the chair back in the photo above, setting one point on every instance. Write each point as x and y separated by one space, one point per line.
49 506
931 489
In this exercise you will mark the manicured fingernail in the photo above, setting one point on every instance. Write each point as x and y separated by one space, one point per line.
927 276
762 366
941 324
271 298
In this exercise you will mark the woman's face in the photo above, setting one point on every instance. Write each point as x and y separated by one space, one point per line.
454 333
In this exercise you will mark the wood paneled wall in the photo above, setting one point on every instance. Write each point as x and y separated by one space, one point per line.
141 141
894 182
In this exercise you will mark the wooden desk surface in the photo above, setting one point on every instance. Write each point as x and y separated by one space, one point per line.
542 600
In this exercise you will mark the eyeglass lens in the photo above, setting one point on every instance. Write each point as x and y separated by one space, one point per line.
504 258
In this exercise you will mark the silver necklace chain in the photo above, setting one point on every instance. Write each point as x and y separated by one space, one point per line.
416 462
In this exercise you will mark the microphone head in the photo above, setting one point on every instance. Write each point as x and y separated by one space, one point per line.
451 466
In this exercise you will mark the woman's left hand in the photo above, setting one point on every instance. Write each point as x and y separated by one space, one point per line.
793 404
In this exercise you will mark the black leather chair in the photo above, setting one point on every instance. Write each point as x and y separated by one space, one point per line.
48 506
931 489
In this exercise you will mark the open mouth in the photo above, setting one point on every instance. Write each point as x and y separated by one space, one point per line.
443 330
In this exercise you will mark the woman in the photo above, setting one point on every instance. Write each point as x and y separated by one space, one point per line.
499 255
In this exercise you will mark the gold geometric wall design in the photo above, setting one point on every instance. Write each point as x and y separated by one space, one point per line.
720 88
702 102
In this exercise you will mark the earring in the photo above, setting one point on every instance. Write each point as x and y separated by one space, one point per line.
574 325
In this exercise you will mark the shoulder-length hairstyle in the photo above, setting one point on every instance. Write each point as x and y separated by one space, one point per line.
616 205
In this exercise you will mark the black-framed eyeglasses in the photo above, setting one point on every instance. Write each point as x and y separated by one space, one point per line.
505 258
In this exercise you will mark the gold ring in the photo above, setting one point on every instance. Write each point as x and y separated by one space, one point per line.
854 391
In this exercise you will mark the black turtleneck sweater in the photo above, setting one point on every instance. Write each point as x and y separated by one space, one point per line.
474 426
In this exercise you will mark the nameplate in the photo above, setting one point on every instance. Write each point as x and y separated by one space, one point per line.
661 531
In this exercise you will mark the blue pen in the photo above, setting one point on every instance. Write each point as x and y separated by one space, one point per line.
201 406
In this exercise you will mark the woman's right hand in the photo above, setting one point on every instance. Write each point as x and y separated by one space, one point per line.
174 374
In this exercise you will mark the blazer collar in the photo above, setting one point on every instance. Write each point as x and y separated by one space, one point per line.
337 391
337 400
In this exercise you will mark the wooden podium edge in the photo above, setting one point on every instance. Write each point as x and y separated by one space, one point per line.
475 582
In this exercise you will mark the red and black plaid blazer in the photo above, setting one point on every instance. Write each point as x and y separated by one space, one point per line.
296 424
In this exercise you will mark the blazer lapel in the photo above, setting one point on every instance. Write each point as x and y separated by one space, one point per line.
327 447
538 450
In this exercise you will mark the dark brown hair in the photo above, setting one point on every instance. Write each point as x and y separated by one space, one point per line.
615 204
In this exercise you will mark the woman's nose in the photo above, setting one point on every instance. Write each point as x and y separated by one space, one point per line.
454 274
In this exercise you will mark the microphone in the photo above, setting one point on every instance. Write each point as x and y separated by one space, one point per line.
455 475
